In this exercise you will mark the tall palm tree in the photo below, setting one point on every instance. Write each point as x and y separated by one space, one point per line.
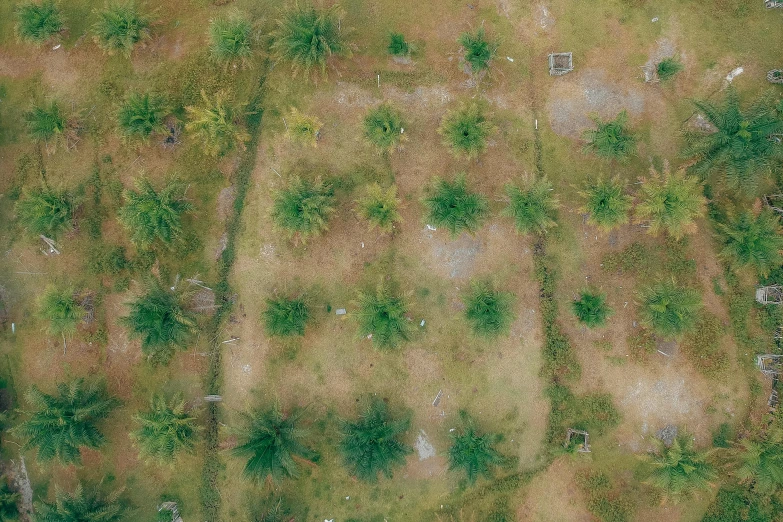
271 441
759 461
742 149
381 316
671 202
679 469
59 307
82 506
151 215
372 445
307 37
166 429
532 207
453 206
754 240
218 124
474 453
668 309
606 203
46 211
59 425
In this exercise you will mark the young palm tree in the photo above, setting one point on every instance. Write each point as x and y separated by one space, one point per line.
59 425
381 316
58 306
82 506
380 207
165 430
45 211
231 39
611 139
217 124
141 115
120 27
37 22
668 68
398 46
668 309
46 122
754 240
371 444
474 453
679 469
159 319
488 311
478 51
591 309
671 202
465 130
606 203
742 149
383 127
452 206
306 37
532 207
8 503
759 461
286 317
272 442
152 216
304 208
302 128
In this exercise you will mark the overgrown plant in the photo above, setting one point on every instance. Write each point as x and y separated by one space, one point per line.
81 506
611 139
303 209
303 128
488 311
384 127
465 130
532 207
381 317
165 430
606 203
60 309
758 461
307 37
668 68
285 317
37 22
398 46
231 39
591 309
46 211
451 205
678 470
670 310
217 124
380 207
154 216
474 453
142 115
478 51
670 203
753 241
46 123
120 27
371 444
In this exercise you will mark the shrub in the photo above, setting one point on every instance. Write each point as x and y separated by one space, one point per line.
165 429
46 212
120 27
152 215
611 139
231 39
38 22
465 130
217 124
303 208
671 202
306 37
380 207
141 115
285 317
474 453
606 203
670 310
381 315
383 127
304 129
755 241
452 206
591 309
668 68
532 207
59 307
9 500
478 51
397 45
733 503
488 311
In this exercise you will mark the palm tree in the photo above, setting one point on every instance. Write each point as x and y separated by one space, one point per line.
668 68
742 149
384 127
474 453
371 444
465 130
63 312
302 128
304 208
478 51
141 115
381 317
59 425
286 317
152 216
611 139
379 207
217 124
591 309
759 461
398 46
532 207
46 122
231 39
452 206
671 202
754 240
272 441
606 203
165 429
37 22
82 506
679 469
159 319
120 27
8 502
668 309
306 37
488 311
46 211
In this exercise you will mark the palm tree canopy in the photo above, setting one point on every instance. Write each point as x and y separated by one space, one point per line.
754 240
8 503
36 22
478 51
488 311
304 208
606 203
217 124
670 310
465 130
383 127
453 206
60 424
284 317
611 139
307 37
152 216
671 202
120 26
380 207
231 38
591 309
759 461
532 207
141 115
81 506
381 315
680 469
59 307
474 453
165 429
46 212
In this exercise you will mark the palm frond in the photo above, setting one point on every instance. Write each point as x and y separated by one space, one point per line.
120 27
46 211
154 216
488 311
303 208
754 241
611 139
606 203
37 22
668 309
165 430
217 123
380 206
383 127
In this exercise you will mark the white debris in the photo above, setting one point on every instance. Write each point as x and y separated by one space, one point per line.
733 74
56 47
510 59
655 19
422 322
246 368
341 311
430 227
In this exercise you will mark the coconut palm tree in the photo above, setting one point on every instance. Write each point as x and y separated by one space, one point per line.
120 27
307 37
741 150
488 311
670 310
384 127
303 209
381 316
37 22
591 309
474 453
679 469
217 123
671 202
452 206
142 115
165 430
46 211
465 130
380 206
611 139
231 39
154 216
59 307
285 317
82 506
758 461
371 444
606 203
272 441
532 207
478 51
755 241
60 424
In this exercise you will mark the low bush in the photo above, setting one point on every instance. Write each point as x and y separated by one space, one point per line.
398 46
591 309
